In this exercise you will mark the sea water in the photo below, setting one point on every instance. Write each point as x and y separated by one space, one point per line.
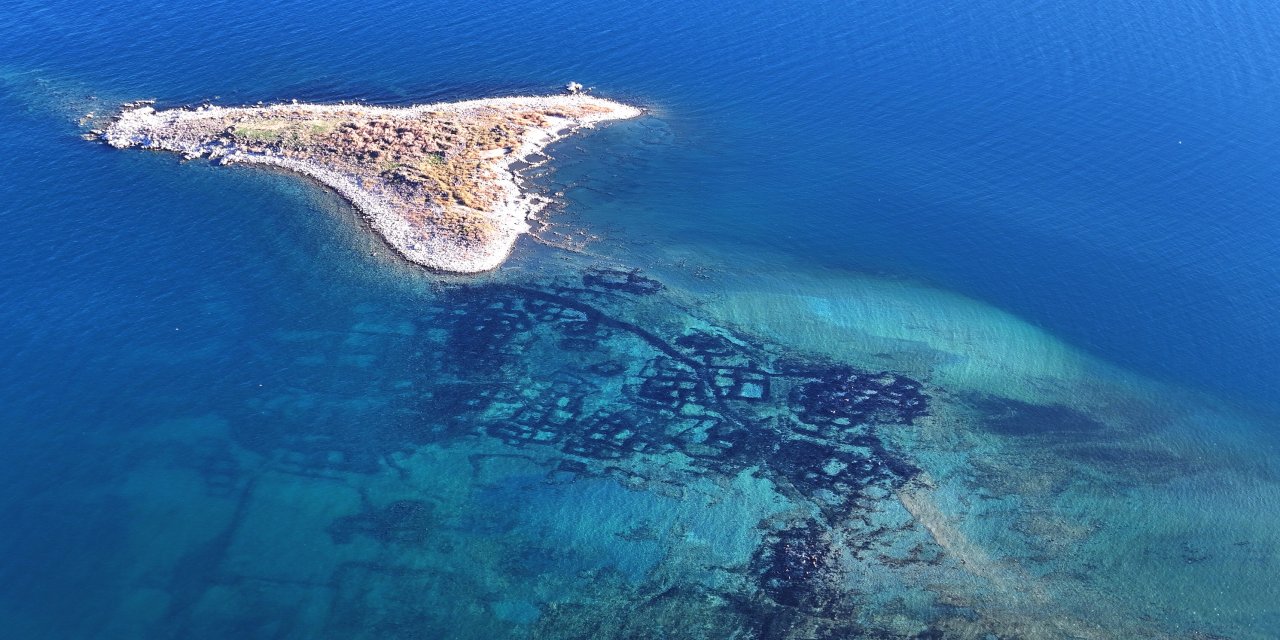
885 321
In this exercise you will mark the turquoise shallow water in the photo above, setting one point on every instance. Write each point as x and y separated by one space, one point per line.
885 322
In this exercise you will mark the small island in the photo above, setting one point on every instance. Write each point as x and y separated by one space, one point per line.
436 181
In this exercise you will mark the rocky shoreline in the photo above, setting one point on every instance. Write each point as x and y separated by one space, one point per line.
436 181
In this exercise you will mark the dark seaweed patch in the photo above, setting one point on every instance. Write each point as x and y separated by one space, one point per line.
564 374
696 394
1010 417
842 396
608 368
714 350
612 435
668 384
701 343
741 384
794 567
833 477
402 522
480 334
618 280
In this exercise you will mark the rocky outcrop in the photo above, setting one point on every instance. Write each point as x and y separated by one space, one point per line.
435 180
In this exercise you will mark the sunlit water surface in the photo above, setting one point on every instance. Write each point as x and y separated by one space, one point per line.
948 322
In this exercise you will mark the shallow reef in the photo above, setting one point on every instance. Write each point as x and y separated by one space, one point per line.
582 456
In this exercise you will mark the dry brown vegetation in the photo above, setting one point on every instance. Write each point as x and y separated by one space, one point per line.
440 164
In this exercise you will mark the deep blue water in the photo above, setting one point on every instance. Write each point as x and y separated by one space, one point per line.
1091 177
1105 171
